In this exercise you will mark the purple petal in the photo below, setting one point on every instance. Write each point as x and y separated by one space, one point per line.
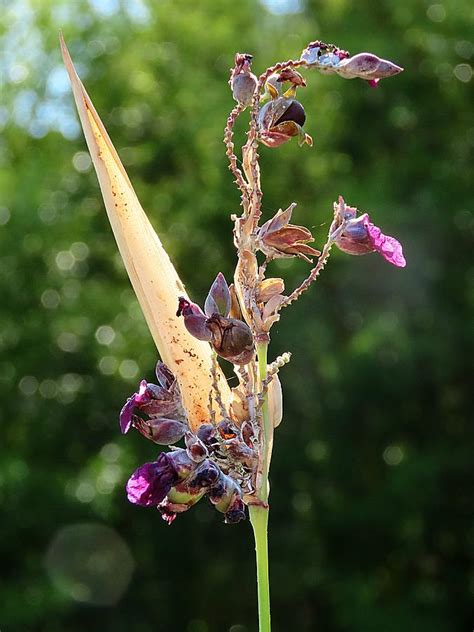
161 430
390 249
150 483
126 414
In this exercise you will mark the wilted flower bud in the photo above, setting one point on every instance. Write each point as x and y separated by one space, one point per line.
196 449
206 433
226 496
231 339
368 66
160 430
157 402
194 319
242 81
274 83
205 476
359 236
278 238
268 288
281 119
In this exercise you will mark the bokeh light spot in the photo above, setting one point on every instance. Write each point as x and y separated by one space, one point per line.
393 455
89 563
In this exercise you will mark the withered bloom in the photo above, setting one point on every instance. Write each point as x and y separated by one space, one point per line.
280 120
231 338
280 239
164 419
242 81
360 236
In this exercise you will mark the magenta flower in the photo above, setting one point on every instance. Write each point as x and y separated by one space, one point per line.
151 482
359 236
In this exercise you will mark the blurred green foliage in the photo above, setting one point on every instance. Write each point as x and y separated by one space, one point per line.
372 476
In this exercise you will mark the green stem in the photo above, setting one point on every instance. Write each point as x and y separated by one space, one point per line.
259 520
259 512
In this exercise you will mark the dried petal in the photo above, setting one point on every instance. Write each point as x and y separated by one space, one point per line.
269 288
279 239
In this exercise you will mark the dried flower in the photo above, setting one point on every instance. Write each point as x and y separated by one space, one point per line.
359 236
231 339
280 239
166 420
280 120
242 81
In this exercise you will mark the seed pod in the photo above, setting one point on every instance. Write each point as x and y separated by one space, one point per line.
242 81
231 339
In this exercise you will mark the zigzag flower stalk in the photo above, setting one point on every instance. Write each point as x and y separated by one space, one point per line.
227 434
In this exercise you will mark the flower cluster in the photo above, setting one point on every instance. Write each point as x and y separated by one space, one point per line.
231 338
226 455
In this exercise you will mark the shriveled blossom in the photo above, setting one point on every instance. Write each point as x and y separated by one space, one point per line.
280 120
228 432
278 238
357 235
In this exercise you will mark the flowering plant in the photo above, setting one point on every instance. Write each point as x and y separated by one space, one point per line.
227 433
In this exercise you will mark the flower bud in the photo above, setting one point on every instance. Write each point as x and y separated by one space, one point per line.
231 339
194 319
367 66
218 300
160 430
242 81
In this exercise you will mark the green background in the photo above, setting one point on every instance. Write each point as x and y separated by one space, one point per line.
372 476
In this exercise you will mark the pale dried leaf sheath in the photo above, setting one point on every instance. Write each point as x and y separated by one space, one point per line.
153 276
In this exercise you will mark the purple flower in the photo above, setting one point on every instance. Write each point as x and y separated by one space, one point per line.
150 483
162 404
359 236
143 396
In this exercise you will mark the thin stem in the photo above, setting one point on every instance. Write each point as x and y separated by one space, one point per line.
259 520
266 429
